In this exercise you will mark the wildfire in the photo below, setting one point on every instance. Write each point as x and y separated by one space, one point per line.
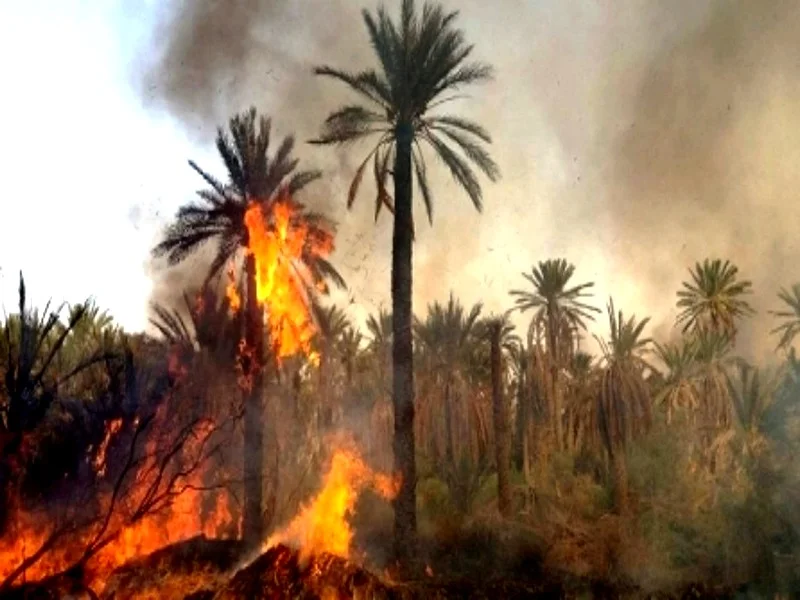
322 525
282 244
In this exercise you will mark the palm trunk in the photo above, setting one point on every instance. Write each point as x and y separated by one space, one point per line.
501 437
552 342
571 431
522 421
619 470
405 510
253 522
449 454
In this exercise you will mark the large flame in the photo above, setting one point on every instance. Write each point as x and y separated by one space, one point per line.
322 525
282 244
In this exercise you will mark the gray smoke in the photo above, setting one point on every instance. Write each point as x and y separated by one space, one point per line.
634 138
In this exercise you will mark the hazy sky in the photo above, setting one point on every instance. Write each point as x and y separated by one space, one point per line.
86 169
634 137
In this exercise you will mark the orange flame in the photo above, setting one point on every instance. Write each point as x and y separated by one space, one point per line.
322 525
231 292
179 521
281 244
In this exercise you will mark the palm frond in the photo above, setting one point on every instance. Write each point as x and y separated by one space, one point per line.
458 169
421 172
366 83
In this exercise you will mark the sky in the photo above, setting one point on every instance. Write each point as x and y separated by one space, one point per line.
88 171
634 138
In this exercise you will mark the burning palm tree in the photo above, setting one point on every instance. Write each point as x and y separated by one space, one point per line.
254 215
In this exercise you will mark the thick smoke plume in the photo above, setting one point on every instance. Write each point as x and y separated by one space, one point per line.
634 138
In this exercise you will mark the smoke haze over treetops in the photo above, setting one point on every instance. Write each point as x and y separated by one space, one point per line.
634 137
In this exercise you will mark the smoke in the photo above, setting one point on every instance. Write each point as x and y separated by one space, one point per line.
703 165
635 138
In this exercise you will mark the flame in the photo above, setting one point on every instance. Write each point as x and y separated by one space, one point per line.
281 244
179 521
231 292
322 525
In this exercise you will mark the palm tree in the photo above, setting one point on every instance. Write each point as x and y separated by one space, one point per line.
753 394
562 313
380 345
713 361
332 324
520 357
444 337
712 300
422 59
349 345
581 399
623 403
38 364
790 316
500 330
34 344
679 389
254 178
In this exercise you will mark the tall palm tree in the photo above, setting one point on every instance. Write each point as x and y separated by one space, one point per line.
790 316
254 177
561 311
500 330
623 403
422 59
520 362
712 300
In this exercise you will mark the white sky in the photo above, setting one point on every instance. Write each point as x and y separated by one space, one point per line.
89 176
